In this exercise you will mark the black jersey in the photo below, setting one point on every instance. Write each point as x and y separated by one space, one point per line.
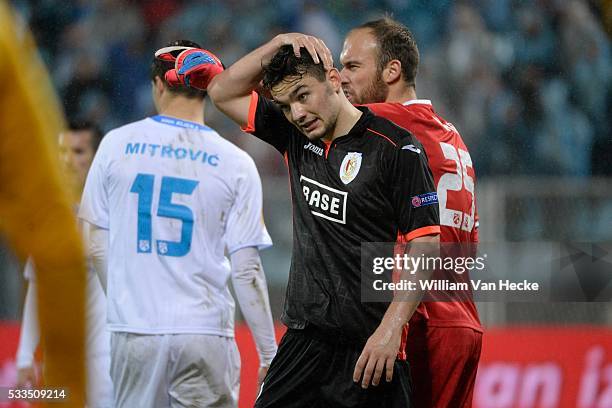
370 185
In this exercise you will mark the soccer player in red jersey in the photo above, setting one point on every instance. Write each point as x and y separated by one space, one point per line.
380 60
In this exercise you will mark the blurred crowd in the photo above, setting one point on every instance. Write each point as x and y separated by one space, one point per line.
527 83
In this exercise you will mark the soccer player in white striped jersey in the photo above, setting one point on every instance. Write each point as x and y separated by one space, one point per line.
166 202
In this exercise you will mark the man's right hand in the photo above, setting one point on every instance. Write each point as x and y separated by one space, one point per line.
26 377
194 68
315 47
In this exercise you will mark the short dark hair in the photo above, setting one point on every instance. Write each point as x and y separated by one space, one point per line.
96 132
285 64
159 67
395 41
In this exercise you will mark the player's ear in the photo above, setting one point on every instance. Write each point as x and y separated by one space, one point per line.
392 72
158 85
333 76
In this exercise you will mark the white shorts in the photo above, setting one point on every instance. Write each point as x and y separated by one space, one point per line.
174 370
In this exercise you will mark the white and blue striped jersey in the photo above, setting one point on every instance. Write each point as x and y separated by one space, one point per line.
176 198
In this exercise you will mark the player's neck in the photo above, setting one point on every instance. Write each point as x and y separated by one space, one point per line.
347 117
401 94
190 110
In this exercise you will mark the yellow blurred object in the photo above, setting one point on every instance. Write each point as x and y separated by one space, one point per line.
606 6
35 209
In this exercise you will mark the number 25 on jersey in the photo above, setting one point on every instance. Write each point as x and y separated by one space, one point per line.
143 186
456 182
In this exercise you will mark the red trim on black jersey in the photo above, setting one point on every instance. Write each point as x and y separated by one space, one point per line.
380 134
327 145
250 126
419 232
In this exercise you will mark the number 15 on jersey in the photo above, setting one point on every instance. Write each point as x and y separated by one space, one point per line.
143 186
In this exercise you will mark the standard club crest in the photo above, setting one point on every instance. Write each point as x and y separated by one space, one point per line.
350 167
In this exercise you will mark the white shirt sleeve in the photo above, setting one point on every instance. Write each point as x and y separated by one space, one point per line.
96 243
30 333
245 224
249 283
94 201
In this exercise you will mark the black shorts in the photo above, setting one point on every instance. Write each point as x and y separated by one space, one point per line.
312 371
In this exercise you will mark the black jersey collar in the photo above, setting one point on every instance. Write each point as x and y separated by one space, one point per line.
361 126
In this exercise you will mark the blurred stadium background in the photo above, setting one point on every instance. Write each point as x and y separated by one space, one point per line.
527 83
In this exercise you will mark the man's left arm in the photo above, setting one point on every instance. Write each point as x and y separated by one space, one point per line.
96 248
382 347
95 215
245 235
29 335
415 200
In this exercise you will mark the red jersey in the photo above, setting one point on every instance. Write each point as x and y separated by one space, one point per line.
454 177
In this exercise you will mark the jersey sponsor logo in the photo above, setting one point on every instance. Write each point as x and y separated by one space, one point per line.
324 201
422 200
412 148
314 148
350 167
170 152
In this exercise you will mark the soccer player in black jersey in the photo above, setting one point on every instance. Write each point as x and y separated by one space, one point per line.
355 178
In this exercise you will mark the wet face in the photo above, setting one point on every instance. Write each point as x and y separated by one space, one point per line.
309 104
79 149
361 78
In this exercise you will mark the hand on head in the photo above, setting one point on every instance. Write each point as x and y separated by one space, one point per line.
315 47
